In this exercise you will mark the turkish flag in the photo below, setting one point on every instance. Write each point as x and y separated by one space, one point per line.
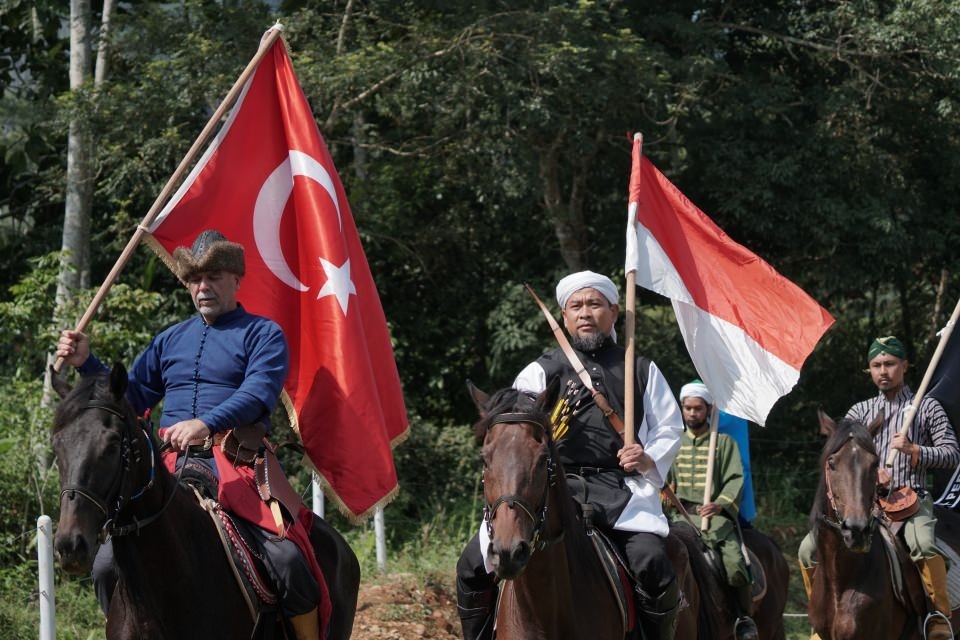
268 182
747 329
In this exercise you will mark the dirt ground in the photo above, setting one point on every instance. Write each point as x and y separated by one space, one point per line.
403 606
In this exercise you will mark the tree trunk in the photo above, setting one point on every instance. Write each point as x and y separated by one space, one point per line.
76 220
75 263
567 216
75 245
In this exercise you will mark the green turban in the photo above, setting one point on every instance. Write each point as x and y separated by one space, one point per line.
888 344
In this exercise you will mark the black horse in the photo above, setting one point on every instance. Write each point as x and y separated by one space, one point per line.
174 578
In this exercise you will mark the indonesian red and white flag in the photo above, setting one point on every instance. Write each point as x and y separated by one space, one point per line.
747 328
268 182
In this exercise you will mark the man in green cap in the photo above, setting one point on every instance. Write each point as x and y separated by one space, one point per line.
930 444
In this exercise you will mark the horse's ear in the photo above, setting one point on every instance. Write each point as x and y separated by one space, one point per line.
118 380
874 426
59 383
480 398
827 424
548 397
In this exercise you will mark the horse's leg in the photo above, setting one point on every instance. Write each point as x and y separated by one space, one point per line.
687 623
341 570
769 610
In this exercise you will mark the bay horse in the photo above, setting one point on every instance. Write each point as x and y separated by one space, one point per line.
553 585
174 580
853 594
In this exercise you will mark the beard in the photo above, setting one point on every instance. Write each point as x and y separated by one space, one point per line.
589 343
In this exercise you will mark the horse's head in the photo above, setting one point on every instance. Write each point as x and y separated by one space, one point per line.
518 470
94 433
848 487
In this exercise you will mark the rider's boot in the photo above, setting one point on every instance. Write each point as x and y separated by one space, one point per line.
807 574
476 612
744 627
933 571
658 617
306 626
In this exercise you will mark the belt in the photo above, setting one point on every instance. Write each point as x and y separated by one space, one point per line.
593 471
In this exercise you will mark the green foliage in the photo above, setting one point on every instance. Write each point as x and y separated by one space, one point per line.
437 467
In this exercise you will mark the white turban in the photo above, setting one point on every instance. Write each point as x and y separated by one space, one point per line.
583 280
696 389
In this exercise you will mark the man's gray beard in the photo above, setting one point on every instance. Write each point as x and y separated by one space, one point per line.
590 343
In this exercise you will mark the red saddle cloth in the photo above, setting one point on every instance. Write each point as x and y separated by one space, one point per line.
238 494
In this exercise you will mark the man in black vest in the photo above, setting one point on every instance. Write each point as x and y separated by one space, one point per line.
624 481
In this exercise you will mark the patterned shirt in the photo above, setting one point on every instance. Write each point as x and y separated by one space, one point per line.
931 430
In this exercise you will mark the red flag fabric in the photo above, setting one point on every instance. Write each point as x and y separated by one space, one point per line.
268 182
747 329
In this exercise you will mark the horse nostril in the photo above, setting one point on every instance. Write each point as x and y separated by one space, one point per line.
521 553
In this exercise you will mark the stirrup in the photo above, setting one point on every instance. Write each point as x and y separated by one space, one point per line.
936 614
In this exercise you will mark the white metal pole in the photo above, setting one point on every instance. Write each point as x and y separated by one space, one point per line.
48 621
381 535
318 503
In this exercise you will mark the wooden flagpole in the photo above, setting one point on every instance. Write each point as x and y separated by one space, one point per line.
266 42
711 461
927 376
629 330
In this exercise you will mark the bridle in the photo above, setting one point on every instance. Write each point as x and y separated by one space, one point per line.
128 456
513 500
835 519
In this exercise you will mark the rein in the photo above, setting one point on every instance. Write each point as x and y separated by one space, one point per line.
109 527
513 500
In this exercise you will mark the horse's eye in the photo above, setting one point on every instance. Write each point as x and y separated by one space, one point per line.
483 461
832 463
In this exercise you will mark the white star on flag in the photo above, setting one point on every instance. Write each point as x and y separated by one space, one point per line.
338 283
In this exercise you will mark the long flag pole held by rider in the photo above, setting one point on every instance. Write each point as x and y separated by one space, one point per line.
927 377
265 44
629 330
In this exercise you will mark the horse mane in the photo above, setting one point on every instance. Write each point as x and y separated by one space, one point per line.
87 389
506 400
846 430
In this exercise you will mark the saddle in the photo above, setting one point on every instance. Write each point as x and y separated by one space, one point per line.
758 588
245 564
618 576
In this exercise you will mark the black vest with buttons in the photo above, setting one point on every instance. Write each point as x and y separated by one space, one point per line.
591 441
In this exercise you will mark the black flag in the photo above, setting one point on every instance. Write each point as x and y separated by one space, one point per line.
945 387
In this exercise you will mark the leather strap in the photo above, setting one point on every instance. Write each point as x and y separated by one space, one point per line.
602 403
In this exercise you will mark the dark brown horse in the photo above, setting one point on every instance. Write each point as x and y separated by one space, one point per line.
174 579
853 595
554 586
768 612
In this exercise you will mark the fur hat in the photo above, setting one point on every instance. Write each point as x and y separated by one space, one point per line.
211 251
